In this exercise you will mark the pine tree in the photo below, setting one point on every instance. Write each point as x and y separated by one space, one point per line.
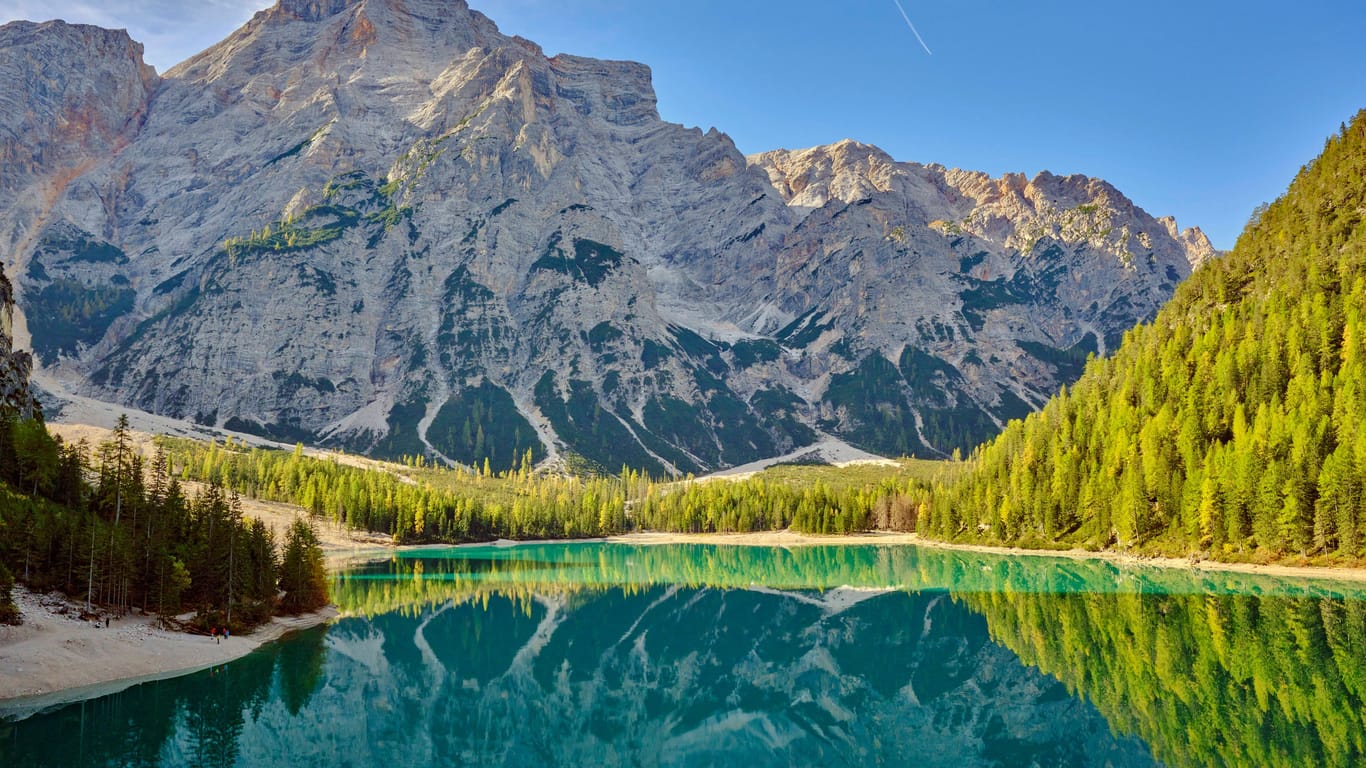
9 612
1230 425
303 578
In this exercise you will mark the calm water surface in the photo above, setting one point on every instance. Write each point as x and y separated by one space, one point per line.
695 655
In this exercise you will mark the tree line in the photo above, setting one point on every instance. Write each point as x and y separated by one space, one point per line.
416 504
1233 425
117 533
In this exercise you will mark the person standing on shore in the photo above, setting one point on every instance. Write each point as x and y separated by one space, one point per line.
213 632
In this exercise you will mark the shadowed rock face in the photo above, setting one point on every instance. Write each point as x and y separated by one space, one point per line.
15 397
348 222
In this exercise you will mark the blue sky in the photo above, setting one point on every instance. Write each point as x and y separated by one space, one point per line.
1195 109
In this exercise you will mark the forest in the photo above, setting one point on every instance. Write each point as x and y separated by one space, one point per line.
417 503
1233 425
120 533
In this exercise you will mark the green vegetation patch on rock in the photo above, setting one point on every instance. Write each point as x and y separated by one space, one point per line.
683 425
1023 287
403 439
592 431
751 352
282 432
472 323
1069 362
350 200
876 415
702 350
590 261
777 408
72 244
950 418
481 424
653 353
67 313
805 329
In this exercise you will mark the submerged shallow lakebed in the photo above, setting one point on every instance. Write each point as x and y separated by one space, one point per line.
699 654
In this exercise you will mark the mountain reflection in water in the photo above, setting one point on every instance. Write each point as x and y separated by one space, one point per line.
576 654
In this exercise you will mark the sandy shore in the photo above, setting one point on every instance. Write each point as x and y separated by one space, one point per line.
55 657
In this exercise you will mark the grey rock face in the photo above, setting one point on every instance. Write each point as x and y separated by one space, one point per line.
16 399
70 97
387 226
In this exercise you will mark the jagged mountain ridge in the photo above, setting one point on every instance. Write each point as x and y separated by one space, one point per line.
385 225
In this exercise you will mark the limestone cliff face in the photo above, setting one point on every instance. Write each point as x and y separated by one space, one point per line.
16 399
71 96
986 293
385 225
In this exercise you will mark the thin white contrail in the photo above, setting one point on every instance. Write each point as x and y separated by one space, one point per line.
914 31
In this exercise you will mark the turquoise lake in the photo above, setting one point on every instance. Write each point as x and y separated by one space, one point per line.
698 655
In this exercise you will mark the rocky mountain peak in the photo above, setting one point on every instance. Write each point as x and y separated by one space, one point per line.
385 225
337 36
310 10
92 103
1199 249
110 59
59 32
1013 209
621 92
70 95
846 170
436 11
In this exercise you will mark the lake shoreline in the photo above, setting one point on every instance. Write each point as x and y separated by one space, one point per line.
56 658
891 538
790 538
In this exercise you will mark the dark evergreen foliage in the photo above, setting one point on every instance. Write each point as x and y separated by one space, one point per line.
67 313
303 579
1232 425
128 538
482 423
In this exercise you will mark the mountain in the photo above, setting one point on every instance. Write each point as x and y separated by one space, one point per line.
16 398
386 226
1233 425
